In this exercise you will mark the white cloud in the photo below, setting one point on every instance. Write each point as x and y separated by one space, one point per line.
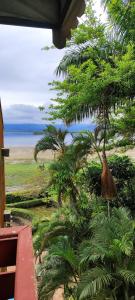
25 69
22 114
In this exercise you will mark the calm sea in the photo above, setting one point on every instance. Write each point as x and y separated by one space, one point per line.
22 135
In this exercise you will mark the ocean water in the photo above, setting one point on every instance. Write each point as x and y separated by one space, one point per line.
22 135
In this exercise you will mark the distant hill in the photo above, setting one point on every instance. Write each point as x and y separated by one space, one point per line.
31 128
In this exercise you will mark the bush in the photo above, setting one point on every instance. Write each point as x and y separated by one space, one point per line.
126 196
92 178
124 142
123 170
23 213
122 167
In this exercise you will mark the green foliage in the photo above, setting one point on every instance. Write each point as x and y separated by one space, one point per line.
123 170
92 282
123 125
126 195
92 177
91 263
64 172
96 79
110 248
122 167
61 236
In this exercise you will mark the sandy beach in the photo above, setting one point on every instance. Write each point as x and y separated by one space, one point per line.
27 154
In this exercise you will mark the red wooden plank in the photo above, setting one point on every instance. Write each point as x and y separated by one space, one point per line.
11 231
25 282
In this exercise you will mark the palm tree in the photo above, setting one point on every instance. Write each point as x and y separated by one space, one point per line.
77 55
60 269
64 173
91 142
97 52
54 139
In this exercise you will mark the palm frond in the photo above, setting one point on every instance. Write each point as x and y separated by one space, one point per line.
63 249
46 143
121 14
74 56
57 231
92 282
54 273
128 276
54 139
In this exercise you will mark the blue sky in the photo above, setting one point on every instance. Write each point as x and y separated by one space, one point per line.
25 71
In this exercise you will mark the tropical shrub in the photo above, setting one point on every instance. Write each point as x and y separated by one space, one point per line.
123 170
92 177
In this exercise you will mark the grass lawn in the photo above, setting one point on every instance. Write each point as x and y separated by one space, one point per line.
22 176
26 174
42 212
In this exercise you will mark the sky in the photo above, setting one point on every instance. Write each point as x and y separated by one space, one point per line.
25 70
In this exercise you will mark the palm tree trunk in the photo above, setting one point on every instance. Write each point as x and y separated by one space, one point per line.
108 187
59 199
73 197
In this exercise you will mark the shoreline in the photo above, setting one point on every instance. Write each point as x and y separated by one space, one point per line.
24 153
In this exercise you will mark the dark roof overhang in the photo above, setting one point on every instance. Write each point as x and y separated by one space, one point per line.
58 15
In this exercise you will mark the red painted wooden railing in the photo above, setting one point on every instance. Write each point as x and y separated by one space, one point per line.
16 256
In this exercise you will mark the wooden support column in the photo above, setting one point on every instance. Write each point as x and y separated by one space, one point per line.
2 172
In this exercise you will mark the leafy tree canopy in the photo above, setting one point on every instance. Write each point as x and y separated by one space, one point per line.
95 85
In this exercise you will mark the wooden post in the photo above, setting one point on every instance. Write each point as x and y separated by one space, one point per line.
2 172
